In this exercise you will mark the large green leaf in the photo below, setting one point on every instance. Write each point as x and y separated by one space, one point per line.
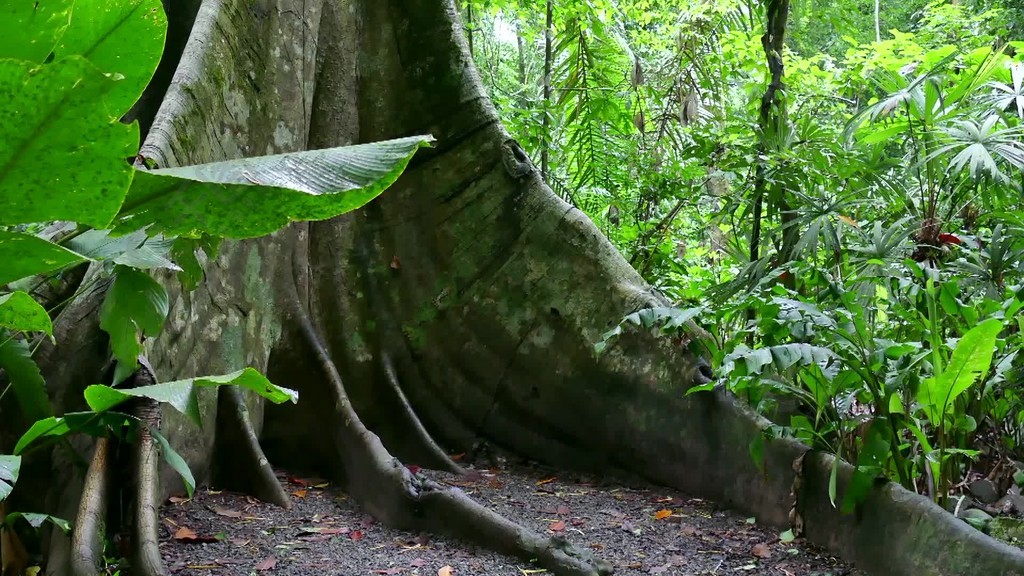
180 394
970 360
186 254
137 249
36 520
20 312
134 303
176 462
24 376
90 423
10 467
256 196
62 151
31 29
874 453
782 357
121 37
23 255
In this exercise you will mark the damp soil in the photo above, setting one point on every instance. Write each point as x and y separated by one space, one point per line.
639 529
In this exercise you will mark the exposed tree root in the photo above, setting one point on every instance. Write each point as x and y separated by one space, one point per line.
409 415
87 537
395 496
246 462
146 558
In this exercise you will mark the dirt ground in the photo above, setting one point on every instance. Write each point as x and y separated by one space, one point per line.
641 530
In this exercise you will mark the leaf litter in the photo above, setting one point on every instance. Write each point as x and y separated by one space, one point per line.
640 529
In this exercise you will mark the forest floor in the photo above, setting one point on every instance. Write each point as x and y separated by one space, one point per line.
641 530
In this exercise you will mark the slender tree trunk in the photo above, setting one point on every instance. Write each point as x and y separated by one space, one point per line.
771 123
545 145
521 53
878 20
469 26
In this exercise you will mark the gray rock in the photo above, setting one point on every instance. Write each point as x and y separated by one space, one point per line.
984 490
1010 504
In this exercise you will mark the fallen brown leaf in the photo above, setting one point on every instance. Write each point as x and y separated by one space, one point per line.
185 534
418 563
356 535
662 514
546 481
300 493
267 564
557 526
389 571
177 500
457 457
227 513
395 263
445 571
761 551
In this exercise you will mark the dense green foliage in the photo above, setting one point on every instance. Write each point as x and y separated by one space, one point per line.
68 196
851 237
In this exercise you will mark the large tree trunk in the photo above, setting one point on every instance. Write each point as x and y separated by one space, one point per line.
462 306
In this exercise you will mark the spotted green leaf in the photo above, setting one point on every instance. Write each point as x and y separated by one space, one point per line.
20 312
62 151
120 37
31 29
24 255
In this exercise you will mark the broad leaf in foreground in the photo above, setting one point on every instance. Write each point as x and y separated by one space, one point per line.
26 255
135 303
37 520
20 312
255 196
30 29
176 462
48 110
180 394
24 377
10 467
108 33
90 423
971 360
137 249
